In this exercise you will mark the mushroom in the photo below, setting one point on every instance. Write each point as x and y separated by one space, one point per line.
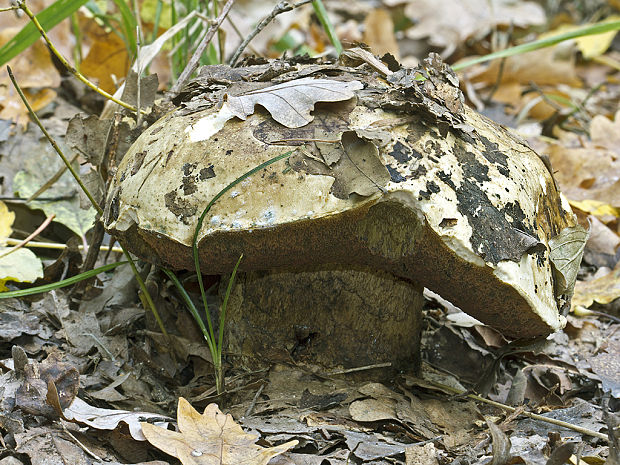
392 187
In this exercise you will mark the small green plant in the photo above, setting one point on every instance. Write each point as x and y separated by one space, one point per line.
215 345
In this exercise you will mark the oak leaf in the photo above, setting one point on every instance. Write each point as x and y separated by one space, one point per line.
290 103
210 438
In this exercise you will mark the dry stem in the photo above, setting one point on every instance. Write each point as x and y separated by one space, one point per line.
193 62
280 8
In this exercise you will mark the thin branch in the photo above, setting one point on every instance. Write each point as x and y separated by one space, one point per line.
22 6
280 8
533 416
195 59
53 143
50 182
55 246
240 35
36 232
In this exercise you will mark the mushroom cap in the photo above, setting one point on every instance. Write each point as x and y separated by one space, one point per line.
462 207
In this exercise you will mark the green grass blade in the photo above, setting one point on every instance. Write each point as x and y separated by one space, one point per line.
50 17
201 220
231 282
129 25
592 29
158 10
193 310
59 284
321 13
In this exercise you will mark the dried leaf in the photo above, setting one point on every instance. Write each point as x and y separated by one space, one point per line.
562 453
606 133
379 33
34 72
290 103
603 290
210 438
500 445
421 455
592 46
439 21
21 266
369 174
354 163
596 208
590 170
96 186
367 410
148 89
7 218
356 56
109 419
38 169
565 255
88 135
606 365
107 60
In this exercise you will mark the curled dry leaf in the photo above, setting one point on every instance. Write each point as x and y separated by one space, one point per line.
501 445
88 135
210 438
565 255
109 419
290 103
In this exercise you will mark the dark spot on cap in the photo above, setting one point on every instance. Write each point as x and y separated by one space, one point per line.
395 176
401 152
446 178
448 222
137 162
188 168
418 172
181 208
206 173
431 188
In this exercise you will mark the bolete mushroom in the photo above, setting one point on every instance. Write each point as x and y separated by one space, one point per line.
393 186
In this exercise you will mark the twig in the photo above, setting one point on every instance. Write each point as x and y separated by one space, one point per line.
53 245
249 410
195 59
36 232
50 182
533 416
281 7
14 7
84 448
367 367
92 254
22 6
138 73
52 142
241 37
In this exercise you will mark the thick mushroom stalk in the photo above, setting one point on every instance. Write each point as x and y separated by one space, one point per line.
400 177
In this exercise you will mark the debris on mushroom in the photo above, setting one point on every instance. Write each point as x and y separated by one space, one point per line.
390 172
